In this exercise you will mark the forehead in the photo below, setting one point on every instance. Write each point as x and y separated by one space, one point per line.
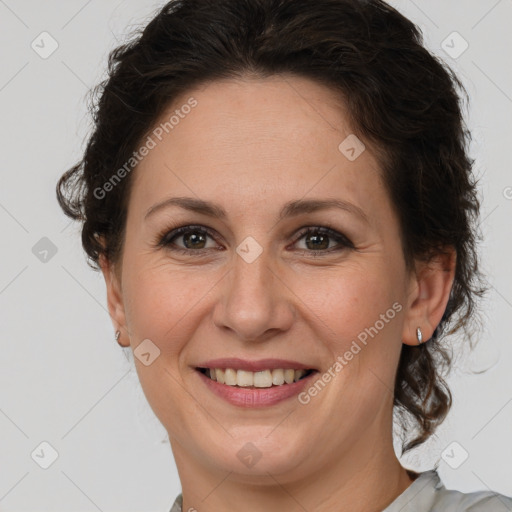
255 141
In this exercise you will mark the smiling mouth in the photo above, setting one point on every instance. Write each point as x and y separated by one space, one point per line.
261 379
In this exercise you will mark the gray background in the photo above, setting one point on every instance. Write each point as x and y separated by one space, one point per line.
63 378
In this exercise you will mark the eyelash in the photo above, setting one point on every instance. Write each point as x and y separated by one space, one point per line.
165 239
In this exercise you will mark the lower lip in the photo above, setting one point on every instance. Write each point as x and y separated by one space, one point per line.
255 397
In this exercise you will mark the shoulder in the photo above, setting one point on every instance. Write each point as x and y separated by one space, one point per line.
427 493
178 503
478 501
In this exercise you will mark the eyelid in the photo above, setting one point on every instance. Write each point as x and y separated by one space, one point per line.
325 230
164 238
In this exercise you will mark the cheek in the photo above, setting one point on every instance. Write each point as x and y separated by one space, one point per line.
162 305
351 301
163 302
357 316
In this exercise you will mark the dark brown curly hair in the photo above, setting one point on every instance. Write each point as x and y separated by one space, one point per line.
400 97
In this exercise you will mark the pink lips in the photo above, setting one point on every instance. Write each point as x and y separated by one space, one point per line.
255 397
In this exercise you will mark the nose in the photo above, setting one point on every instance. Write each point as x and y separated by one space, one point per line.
254 302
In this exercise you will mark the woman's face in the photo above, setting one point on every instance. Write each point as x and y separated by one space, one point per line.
252 286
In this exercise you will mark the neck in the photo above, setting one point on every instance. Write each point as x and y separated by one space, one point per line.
366 478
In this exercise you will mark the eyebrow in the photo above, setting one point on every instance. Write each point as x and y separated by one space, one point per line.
290 209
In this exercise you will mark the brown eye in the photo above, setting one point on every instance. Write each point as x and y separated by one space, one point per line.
194 240
318 240
187 239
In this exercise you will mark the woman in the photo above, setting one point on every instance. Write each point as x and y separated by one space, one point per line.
279 197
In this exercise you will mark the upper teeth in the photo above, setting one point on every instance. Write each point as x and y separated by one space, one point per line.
262 379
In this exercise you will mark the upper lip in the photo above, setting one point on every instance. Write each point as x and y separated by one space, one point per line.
254 366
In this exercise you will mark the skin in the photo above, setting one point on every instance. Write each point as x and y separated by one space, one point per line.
251 145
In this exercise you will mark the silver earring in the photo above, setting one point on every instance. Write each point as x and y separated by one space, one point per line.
419 335
118 333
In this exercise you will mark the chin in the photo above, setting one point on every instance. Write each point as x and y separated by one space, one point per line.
252 454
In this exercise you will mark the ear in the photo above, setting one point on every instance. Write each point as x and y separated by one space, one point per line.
114 300
429 291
